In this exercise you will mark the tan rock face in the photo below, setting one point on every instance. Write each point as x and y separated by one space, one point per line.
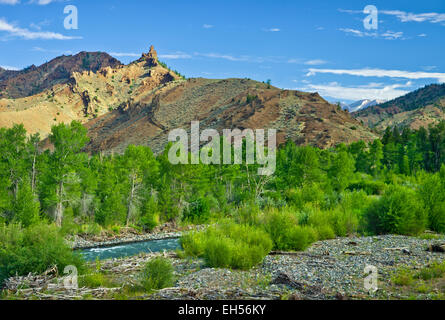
86 95
33 80
141 102
151 57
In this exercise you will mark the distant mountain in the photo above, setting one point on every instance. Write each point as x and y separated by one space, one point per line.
362 104
33 80
416 109
140 103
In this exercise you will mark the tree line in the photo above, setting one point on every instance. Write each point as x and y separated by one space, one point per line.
63 184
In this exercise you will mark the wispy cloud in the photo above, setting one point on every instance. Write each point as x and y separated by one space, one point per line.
125 54
31 35
10 68
223 56
45 2
207 26
272 29
391 35
404 16
40 49
39 2
315 62
11 2
174 56
388 35
380 73
369 91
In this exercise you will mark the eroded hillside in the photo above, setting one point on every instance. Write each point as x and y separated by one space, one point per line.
86 95
141 102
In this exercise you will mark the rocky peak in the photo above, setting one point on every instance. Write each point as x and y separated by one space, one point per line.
151 57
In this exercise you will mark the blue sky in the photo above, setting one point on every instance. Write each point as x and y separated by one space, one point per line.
305 45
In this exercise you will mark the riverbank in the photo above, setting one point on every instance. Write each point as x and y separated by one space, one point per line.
331 269
167 231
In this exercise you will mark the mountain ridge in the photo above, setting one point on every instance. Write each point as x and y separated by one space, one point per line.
140 102
33 80
419 108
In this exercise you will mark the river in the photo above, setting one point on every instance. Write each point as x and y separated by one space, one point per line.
130 249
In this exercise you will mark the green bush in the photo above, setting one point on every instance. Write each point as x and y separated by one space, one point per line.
247 214
371 187
398 211
198 211
157 274
308 193
228 245
34 249
431 192
325 232
286 234
95 280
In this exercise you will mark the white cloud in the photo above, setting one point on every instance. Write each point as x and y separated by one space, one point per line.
45 2
294 61
369 91
125 54
31 35
315 62
222 56
357 33
12 2
403 16
272 30
207 26
40 49
10 68
178 55
388 35
380 73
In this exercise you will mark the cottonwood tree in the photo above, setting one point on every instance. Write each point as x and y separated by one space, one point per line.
140 171
63 164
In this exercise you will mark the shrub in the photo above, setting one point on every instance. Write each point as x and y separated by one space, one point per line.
229 245
247 214
308 193
95 280
431 192
198 211
403 277
286 234
325 232
398 211
436 270
34 249
157 274
371 187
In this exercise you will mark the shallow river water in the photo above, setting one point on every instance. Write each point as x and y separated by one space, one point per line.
130 249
